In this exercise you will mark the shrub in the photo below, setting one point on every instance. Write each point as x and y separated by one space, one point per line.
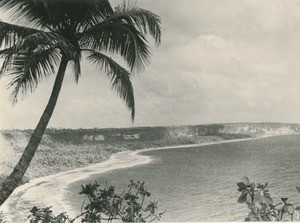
45 215
104 204
261 206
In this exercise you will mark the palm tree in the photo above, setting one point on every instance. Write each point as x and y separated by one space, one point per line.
57 33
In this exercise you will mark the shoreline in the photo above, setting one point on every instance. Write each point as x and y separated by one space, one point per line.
36 191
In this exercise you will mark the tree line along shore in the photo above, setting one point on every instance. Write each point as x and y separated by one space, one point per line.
66 149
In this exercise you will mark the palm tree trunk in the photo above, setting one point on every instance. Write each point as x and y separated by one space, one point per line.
13 180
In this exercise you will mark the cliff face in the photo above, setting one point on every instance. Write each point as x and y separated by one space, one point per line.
19 138
242 129
261 129
64 149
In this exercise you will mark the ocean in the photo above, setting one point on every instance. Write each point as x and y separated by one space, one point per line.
200 183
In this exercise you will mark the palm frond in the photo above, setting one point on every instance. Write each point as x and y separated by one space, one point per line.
45 39
119 38
76 66
144 20
21 39
34 12
8 55
95 12
120 77
31 58
10 33
124 32
55 13
28 69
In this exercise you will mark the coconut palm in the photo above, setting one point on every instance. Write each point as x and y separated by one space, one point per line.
52 34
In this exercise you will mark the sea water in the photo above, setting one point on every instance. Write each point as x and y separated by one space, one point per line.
199 183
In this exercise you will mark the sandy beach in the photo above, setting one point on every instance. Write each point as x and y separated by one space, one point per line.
51 190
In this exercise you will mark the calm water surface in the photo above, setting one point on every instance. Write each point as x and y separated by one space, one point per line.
199 184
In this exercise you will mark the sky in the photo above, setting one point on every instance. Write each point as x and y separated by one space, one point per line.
219 61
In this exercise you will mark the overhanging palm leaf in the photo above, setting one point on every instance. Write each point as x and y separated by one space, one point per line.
118 38
31 11
45 40
10 34
76 67
32 56
20 39
123 32
120 77
27 70
52 14
23 52
144 20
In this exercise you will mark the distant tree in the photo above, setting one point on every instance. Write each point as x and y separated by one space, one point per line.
57 33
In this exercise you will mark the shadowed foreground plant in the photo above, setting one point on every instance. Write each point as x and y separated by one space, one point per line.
104 204
261 205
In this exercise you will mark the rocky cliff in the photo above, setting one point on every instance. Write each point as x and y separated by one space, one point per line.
64 149
19 138
261 129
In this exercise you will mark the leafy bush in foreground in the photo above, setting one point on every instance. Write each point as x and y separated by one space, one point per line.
261 205
104 204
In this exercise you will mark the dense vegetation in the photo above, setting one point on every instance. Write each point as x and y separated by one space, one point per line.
65 149
115 135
